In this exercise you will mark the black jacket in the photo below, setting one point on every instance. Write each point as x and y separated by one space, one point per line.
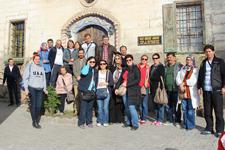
133 88
52 54
217 74
11 77
85 80
155 77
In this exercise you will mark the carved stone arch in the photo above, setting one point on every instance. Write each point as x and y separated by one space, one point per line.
65 33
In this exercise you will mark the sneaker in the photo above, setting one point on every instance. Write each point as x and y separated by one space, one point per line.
134 128
142 122
168 123
61 114
82 126
105 124
178 125
90 125
218 134
99 124
125 125
206 132
154 123
158 123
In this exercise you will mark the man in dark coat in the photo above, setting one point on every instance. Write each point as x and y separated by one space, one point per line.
12 76
106 51
211 80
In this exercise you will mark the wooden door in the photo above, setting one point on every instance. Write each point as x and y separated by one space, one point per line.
96 33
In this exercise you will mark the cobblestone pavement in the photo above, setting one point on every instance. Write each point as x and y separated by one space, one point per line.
16 133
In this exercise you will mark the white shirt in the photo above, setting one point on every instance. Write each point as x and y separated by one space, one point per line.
59 57
101 78
91 50
207 82
10 68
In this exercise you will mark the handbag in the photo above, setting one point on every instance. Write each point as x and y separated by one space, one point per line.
69 94
122 90
102 93
87 95
143 91
161 95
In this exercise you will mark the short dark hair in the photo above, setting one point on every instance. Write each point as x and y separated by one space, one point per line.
156 54
105 62
63 67
129 56
10 59
91 57
105 36
70 41
81 50
208 46
144 55
123 46
50 40
171 53
87 34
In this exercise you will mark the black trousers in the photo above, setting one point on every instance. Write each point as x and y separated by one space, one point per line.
13 92
213 100
62 98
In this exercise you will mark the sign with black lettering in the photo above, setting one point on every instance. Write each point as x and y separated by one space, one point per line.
149 40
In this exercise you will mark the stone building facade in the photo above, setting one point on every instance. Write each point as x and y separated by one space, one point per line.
183 26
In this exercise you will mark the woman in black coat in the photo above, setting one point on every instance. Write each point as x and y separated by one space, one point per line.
130 79
157 70
116 107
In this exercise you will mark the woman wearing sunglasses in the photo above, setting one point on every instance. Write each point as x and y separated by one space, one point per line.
130 79
157 71
104 88
144 84
87 87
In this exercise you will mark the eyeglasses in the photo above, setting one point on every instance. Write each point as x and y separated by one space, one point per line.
144 59
117 58
102 64
155 58
92 62
129 60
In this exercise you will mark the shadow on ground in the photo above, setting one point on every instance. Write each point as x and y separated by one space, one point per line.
5 111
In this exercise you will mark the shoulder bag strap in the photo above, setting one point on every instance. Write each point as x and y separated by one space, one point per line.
64 85
88 48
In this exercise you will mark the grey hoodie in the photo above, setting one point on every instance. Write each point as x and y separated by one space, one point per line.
34 76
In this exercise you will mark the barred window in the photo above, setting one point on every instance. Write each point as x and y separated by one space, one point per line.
189 28
17 39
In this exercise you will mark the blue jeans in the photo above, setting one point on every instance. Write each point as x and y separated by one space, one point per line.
159 112
131 115
188 114
85 115
172 114
54 74
103 110
36 97
126 109
144 108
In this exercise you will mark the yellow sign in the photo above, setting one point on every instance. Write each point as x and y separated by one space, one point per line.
149 40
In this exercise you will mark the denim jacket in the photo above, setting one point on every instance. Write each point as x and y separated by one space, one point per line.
44 56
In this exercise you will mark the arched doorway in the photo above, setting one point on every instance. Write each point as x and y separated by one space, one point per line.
95 31
94 21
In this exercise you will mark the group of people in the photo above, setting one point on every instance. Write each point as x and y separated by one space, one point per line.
109 82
